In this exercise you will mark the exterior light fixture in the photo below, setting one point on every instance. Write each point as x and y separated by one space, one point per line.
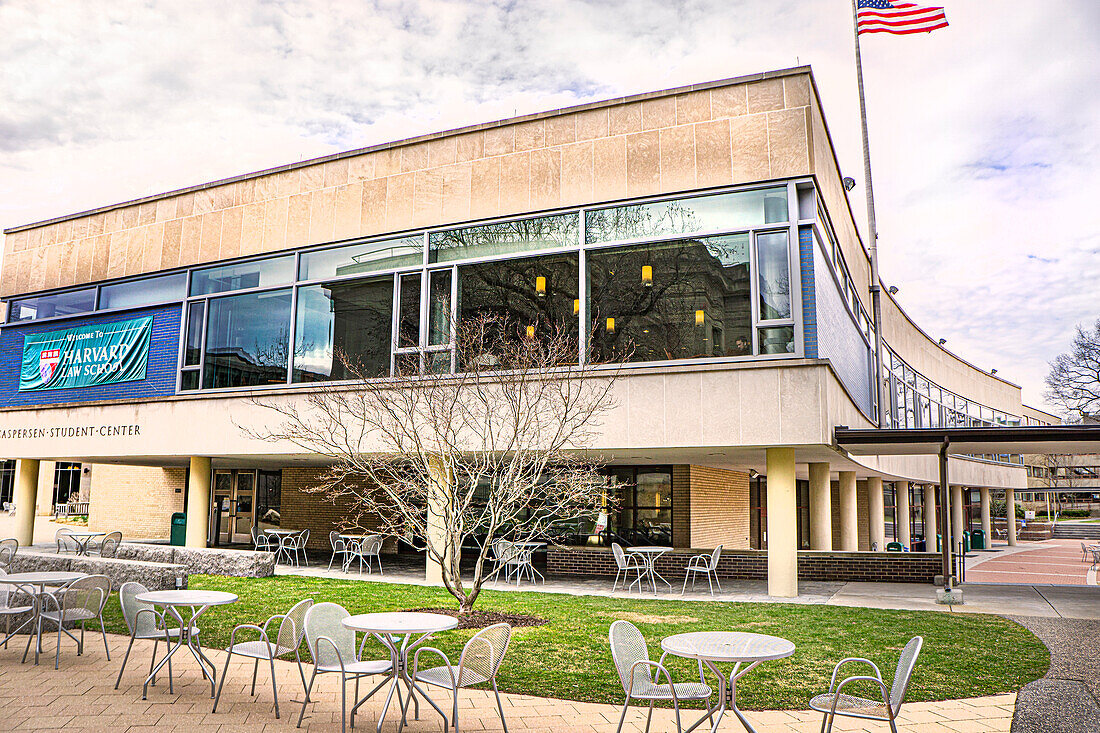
849 183
611 325
893 290
943 341
993 371
700 316
576 306
530 332
540 286
753 473
647 275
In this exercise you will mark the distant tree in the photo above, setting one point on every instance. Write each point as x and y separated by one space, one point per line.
1074 379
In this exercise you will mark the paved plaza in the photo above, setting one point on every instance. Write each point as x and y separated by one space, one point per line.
1051 561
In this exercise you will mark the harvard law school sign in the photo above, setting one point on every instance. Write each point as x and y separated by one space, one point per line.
86 356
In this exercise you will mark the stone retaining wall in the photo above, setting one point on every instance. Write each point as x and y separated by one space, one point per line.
892 567
153 575
204 560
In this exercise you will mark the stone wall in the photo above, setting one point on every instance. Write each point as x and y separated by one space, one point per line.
153 575
203 560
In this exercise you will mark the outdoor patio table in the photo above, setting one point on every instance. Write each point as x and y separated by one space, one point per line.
281 535
38 581
728 647
199 601
648 554
353 543
396 631
83 538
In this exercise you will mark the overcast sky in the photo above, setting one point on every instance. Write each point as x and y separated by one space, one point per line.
983 135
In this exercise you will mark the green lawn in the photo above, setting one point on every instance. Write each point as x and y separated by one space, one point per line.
964 655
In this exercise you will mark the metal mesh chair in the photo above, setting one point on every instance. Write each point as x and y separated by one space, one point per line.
502 552
144 621
292 627
109 546
639 675
340 547
333 648
78 602
261 542
371 547
65 542
8 548
481 658
15 600
295 547
625 563
706 564
835 702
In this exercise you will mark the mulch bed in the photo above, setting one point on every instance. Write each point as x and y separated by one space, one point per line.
480 619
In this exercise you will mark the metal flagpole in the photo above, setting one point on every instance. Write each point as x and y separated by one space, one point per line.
876 286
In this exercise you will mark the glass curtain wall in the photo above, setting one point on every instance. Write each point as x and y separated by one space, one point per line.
639 506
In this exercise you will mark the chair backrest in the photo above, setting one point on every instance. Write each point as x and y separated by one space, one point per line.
8 548
255 534
334 540
620 555
64 531
714 557
303 538
144 623
89 593
324 619
627 648
109 547
293 627
906 662
5 590
502 550
372 545
484 652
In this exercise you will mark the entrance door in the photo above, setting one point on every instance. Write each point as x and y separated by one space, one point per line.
233 500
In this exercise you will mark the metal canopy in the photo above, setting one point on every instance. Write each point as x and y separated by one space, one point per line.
1032 439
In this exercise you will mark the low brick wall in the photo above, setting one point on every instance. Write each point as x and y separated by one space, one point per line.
892 567
153 575
204 560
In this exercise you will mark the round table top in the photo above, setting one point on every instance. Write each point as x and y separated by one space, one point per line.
85 533
401 622
45 577
281 531
649 548
187 597
727 646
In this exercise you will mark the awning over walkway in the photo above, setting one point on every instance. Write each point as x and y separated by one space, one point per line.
1033 439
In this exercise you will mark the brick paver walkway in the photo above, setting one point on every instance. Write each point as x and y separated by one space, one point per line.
81 696
1050 561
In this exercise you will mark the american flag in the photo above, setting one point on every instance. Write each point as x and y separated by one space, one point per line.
891 16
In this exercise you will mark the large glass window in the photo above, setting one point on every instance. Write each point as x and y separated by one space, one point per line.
255 274
525 235
7 481
639 505
247 340
362 258
739 210
772 259
51 306
143 292
353 318
673 300
66 482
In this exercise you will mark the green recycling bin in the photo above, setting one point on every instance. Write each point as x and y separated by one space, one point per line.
977 539
966 541
179 529
893 547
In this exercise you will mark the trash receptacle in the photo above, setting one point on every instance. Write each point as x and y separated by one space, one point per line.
966 541
893 547
977 539
179 529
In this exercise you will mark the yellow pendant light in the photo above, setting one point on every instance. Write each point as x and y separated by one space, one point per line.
540 286
647 275
611 325
700 316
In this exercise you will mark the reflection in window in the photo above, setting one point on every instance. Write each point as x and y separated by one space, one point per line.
408 323
192 353
536 293
675 300
50 306
439 308
775 278
361 258
353 318
247 340
544 232
684 216
143 292
639 506
777 340
257 274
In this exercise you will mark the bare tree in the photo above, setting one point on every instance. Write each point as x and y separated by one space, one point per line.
1073 382
441 460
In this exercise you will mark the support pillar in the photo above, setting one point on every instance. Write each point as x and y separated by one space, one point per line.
198 502
437 522
1010 515
987 521
958 514
849 538
821 508
931 520
26 496
901 514
782 524
876 509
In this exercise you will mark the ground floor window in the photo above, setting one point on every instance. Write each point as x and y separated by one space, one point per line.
758 513
66 482
269 486
639 506
7 481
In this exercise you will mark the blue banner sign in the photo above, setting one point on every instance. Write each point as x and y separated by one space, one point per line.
85 356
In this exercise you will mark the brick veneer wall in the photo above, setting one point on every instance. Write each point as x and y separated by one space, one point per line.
719 504
136 500
681 505
302 509
863 517
893 567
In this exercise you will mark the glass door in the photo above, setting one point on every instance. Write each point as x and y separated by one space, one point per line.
234 493
223 507
242 518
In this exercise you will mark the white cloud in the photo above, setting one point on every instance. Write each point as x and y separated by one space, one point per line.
983 135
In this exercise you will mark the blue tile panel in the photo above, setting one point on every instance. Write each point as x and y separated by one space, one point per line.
160 374
809 297
839 339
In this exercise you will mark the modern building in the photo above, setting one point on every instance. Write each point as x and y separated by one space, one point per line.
707 227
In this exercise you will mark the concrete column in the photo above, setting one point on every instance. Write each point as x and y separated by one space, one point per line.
437 525
782 524
26 495
1010 515
821 508
931 518
957 514
987 521
849 537
876 509
198 502
901 514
